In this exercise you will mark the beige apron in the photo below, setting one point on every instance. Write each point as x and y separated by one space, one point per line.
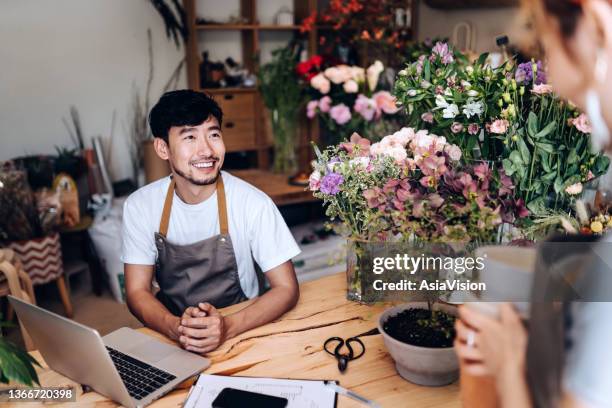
205 271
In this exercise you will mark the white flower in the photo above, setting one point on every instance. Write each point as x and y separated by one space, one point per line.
469 69
472 108
425 84
350 86
450 111
403 72
466 84
472 92
454 152
441 102
361 162
320 83
574 189
358 74
373 73
448 92
412 92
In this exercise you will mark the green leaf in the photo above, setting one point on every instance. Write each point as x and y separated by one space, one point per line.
525 154
483 57
548 148
508 167
16 364
515 157
572 157
537 206
472 142
532 124
427 70
546 131
558 186
601 164
549 177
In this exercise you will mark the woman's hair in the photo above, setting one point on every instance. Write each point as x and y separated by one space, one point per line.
567 13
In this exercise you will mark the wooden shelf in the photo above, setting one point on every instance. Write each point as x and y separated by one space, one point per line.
228 90
231 27
278 27
276 186
225 26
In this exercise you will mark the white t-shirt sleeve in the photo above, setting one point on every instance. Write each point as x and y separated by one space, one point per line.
138 246
271 241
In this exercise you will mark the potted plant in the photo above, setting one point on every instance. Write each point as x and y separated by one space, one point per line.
282 95
16 365
420 341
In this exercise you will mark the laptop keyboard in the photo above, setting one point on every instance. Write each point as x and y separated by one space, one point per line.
141 379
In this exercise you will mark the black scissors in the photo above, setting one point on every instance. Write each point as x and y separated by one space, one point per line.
344 358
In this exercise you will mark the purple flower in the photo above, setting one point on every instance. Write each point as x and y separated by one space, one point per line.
524 73
311 109
330 184
340 113
441 50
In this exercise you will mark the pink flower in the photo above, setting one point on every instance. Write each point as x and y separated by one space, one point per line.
473 128
427 117
435 200
311 109
590 176
574 189
385 102
582 123
362 144
542 89
456 127
314 182
350 86
325 104
403 136
320 83
340 113
453 151
398 154
499 126
366 107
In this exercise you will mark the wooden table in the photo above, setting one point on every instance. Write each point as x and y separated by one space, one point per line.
276 186
292 347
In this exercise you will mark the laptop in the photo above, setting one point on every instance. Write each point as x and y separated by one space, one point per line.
126 366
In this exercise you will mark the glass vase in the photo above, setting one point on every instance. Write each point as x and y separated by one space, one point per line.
358 269
284 131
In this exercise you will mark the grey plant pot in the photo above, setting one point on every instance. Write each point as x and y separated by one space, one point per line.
421 365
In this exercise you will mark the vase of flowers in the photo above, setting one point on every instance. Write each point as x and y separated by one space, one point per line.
282 95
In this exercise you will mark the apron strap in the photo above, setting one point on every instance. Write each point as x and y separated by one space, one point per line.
165 219
221 205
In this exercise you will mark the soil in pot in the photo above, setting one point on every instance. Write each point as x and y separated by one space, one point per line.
418 328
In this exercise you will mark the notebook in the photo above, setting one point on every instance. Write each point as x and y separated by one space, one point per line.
299 393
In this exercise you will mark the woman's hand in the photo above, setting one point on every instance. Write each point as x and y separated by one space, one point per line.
489 346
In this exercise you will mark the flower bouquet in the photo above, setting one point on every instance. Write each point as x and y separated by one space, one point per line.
506 114
347 98
410 185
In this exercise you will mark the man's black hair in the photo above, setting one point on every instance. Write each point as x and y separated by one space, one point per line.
182 108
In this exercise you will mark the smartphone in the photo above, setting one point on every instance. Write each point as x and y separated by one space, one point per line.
233 398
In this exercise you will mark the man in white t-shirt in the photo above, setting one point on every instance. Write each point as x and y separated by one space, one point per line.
197 233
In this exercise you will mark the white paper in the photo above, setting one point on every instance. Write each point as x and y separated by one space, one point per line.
299 393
